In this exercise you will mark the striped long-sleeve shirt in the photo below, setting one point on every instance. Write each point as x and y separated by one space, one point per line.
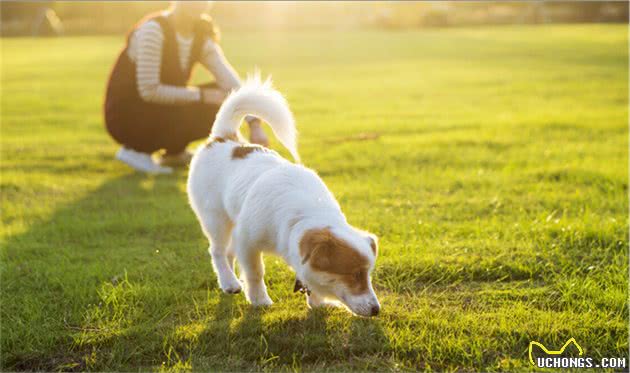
145 49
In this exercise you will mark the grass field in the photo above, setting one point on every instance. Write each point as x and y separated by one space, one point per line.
492 163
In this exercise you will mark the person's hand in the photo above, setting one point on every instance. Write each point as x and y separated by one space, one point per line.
256 133
212 96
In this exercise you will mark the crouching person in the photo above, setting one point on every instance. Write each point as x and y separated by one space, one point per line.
149 104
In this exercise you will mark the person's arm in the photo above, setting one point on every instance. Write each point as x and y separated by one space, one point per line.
150 40
214 60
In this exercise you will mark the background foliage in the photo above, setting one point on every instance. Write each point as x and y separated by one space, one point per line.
90 17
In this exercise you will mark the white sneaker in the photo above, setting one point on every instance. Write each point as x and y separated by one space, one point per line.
141 161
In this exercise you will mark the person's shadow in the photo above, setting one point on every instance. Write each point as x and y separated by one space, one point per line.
121 279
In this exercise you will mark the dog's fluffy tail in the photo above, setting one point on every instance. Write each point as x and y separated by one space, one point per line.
259 99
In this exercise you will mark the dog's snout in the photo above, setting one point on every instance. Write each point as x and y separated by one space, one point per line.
375 310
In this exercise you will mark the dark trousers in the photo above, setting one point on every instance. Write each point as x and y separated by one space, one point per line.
148 127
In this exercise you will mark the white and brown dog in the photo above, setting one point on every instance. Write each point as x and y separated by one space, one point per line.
249 200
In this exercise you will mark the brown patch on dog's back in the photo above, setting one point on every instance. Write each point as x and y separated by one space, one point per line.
243 151
330 254
233 137
214 140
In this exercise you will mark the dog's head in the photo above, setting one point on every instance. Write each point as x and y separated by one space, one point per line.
338 264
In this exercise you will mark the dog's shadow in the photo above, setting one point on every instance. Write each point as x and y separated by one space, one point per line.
285 336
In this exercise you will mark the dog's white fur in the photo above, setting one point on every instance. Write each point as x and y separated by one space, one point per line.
264 203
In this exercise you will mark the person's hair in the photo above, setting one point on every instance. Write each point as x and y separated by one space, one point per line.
209 27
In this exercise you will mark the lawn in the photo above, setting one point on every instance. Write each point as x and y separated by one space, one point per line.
491 162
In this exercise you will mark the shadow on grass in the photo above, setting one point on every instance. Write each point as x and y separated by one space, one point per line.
245 338
112 281
55 271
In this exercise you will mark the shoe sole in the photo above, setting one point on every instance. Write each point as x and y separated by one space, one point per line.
131 164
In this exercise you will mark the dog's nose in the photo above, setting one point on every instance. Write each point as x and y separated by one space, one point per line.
375 310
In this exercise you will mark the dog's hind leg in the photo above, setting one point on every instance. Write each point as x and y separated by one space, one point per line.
218 230
252 270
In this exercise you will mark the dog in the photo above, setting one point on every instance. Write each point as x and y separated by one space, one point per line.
249 201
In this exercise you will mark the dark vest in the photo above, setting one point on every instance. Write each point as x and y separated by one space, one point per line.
122 97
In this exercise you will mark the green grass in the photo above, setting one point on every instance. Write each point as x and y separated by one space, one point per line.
492 163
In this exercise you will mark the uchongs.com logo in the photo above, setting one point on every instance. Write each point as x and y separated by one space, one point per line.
554 358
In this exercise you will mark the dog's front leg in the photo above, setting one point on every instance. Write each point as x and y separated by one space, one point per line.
252 275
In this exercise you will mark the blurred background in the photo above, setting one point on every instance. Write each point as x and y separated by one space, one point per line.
47 18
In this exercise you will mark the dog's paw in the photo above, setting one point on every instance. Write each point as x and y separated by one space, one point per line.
232 290
260 300
230 287
262 303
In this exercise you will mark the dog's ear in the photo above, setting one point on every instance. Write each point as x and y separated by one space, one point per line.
328 253
316 246
373 243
